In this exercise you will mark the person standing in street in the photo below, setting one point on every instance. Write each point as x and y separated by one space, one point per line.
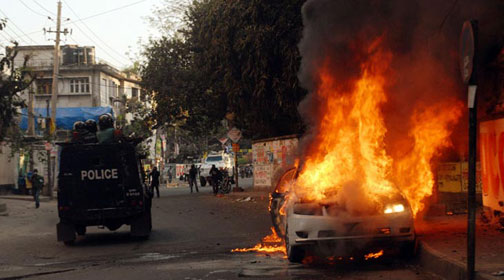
37 185
216 178
193 173
154 178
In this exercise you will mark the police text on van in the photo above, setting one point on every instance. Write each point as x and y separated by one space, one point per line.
99 174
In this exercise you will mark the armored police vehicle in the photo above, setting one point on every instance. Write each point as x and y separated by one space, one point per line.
101 185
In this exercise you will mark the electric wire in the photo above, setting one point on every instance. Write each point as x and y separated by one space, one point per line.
92 32
43 8
15 26
108 11
33 11
91 39
6 38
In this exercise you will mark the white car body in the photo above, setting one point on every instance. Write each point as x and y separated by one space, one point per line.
220 160
342 234
328 230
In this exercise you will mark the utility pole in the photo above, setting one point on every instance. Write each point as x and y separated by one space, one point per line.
48 149
31 121
54 96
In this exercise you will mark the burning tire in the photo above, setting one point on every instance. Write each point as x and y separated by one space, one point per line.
409 249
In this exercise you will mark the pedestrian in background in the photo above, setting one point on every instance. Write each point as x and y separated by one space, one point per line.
170 175
193 172
37 185
216 178
154 178
21 182
29 187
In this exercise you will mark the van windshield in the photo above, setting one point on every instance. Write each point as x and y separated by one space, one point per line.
214 158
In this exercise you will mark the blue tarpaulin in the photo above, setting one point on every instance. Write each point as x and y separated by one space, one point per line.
65 117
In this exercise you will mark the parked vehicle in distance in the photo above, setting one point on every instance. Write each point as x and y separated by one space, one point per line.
221 160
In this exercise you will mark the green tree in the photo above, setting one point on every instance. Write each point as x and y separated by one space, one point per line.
12 82
247 51
236 57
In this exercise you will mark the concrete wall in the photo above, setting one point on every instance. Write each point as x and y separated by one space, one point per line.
271 158
8 167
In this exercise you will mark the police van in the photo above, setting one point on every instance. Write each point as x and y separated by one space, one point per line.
101 185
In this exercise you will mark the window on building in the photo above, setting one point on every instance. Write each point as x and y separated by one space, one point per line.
134 92
44 86
113 87
104 92
79 85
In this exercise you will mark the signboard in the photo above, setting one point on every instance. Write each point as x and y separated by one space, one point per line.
452 177
449 177
223 140
236 147
492 163
234 134
466 51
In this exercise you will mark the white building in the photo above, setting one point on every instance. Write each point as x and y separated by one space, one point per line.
81 83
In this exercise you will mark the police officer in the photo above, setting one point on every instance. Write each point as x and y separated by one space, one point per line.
79 129
106 132
91 127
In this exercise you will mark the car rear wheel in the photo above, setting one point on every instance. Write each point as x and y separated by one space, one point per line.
203 181
295 254
409 249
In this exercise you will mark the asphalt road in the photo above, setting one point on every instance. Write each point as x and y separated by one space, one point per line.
192 239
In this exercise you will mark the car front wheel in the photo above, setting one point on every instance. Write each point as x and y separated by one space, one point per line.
295 254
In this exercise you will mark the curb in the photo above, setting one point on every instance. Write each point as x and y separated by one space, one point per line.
440 264
25 198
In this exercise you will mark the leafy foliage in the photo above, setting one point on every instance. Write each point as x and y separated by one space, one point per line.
11 85
236 57
141 124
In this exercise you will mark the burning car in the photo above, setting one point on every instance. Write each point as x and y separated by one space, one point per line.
326 228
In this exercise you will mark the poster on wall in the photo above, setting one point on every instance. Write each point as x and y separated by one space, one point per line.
270 156
262 175
491 141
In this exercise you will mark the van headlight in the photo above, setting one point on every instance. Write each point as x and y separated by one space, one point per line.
394 208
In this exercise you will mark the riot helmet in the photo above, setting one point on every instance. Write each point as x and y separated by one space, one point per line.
106 121
91 125
79 125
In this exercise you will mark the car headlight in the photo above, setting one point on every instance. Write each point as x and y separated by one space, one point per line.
394 208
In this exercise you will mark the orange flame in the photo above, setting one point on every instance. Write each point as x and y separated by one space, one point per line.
373 255
347 161
430 133
269 244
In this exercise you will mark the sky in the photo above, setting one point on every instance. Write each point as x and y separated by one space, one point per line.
114 27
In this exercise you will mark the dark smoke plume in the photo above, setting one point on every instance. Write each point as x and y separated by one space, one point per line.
423 38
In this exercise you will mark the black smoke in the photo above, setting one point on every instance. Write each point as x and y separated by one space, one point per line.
423 37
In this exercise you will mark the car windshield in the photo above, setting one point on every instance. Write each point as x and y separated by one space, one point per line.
214 158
